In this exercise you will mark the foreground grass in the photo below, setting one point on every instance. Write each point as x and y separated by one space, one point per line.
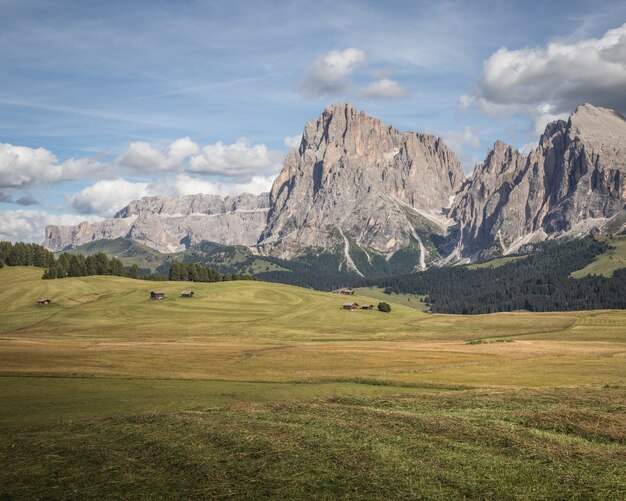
358 444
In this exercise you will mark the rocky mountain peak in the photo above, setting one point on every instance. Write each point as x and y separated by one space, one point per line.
354 177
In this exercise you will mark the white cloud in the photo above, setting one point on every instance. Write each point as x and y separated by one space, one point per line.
106 197
29 225
527 148
236 160
144 157
456 139
549 82
293 141
328 74
22 167
185 184
384 88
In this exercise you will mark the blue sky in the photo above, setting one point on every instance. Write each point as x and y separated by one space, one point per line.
103 102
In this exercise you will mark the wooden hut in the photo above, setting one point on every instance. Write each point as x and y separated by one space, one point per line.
367 307
43 301
186 294
350 306
156 295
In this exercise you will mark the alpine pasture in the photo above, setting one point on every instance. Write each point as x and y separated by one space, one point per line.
252 390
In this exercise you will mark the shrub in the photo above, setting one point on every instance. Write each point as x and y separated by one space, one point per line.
384 307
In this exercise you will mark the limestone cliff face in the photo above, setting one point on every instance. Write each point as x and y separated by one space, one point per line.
355 179
573 181
170 224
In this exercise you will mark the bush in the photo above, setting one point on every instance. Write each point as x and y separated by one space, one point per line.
384 307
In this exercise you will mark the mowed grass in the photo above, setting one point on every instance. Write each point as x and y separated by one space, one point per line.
252 390
607 263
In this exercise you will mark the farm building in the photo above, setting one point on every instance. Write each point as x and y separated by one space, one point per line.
43 301
155 295
350 306
367 307
186 294
344 290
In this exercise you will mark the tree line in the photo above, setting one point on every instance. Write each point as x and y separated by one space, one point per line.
78 265
23 254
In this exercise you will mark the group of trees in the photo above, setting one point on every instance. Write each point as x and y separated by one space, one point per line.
22 254
539 282
77 265
196 272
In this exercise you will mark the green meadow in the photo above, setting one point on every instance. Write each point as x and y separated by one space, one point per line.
254 390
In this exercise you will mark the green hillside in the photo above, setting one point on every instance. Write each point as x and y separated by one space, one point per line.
606 263
252 390
128 251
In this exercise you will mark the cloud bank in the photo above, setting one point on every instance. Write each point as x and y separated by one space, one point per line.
549 82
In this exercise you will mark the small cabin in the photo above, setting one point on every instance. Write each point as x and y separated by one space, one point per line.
43 301
186 294
367 307
350 306
156 295
344 290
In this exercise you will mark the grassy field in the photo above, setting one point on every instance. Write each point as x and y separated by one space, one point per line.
607 263
253 390
495 263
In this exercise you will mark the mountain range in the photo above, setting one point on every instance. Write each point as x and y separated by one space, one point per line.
373 197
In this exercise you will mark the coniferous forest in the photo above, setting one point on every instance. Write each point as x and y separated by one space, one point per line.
539 282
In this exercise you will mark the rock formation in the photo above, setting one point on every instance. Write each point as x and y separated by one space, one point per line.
573 181
356 181
173 224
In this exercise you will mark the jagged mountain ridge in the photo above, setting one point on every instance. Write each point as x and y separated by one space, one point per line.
575 180
365 191
172 224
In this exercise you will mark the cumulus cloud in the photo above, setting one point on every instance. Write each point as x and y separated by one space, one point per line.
29 225
528 147
384 88
23 167
456 139
293 141
106 197
549 82
144 157
328 75
240 159
185 184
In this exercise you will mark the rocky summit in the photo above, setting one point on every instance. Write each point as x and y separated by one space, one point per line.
357 187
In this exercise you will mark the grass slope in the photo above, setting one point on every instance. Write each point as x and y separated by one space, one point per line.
606 263
254 390
495 263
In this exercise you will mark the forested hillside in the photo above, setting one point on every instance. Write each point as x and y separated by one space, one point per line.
541 282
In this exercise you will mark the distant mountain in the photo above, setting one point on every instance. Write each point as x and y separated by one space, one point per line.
363 198
172 224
